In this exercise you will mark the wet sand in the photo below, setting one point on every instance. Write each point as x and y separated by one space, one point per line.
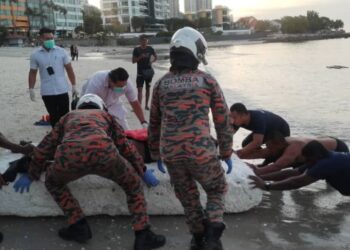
315 217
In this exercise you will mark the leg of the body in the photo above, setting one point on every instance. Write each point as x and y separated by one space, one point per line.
211 176
148 87
186 191
139 85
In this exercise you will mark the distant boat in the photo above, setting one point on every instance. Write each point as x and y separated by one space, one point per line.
337 67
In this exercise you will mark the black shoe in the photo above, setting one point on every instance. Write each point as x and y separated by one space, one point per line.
212 235
197 241
1 237
79 232
146 240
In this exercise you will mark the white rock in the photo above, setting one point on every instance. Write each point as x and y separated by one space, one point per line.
97 195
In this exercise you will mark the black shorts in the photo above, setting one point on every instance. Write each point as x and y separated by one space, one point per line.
140 81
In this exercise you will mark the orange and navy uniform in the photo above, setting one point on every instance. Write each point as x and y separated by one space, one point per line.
179 134
87 142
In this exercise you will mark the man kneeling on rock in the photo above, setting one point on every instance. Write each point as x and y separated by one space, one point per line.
90 141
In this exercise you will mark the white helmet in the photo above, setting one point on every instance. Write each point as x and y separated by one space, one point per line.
192 40
91 100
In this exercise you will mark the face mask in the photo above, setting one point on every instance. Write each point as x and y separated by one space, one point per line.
49 44
118 90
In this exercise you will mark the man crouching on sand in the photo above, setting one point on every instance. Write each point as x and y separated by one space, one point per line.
87 142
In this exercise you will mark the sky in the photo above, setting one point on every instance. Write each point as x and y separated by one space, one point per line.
275 9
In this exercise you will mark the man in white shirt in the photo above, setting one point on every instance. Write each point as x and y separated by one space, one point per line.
111 86
51 61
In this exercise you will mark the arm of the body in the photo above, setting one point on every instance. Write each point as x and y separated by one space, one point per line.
45 150
288 157
258 153
249 150
15 148
70 73
126 148
155 122
221 118
136 57
155 57
138 111
280 175
287 184
32 78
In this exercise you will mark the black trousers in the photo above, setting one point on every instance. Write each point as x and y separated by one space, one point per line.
57 106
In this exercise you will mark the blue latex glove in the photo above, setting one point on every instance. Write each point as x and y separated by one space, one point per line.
229 165
149 178
22 183
160 166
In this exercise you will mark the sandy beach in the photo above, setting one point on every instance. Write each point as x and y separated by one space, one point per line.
301 219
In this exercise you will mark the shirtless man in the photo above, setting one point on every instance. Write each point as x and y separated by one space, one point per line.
289 151
321 164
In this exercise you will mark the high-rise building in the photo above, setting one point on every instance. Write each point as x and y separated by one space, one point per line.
123 10
204 5
191 6
159 9
197 8
221 17
174 8
13 17
69 16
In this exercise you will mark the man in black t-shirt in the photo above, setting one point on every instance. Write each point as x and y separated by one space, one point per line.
261 123
144 56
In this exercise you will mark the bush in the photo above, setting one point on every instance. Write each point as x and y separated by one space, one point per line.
3 34
164 34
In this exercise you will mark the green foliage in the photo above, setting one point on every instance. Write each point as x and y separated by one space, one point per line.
164 34
3 34
295 25
92 19
138 23
203 22
173 24
78 29
315 22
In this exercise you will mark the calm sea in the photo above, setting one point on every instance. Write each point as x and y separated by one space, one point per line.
290 79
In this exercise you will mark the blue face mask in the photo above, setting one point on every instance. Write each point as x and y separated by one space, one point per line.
49 44
118 90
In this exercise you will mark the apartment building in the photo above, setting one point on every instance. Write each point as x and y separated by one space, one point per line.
197 8
13 17
174 7
123 10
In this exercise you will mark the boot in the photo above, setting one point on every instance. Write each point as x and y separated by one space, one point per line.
212 234
1 237
80 232
197 241
146 240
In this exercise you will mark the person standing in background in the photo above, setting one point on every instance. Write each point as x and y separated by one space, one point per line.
51 61
74 52
144 55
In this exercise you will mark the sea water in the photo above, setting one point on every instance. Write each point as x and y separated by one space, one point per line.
292 80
